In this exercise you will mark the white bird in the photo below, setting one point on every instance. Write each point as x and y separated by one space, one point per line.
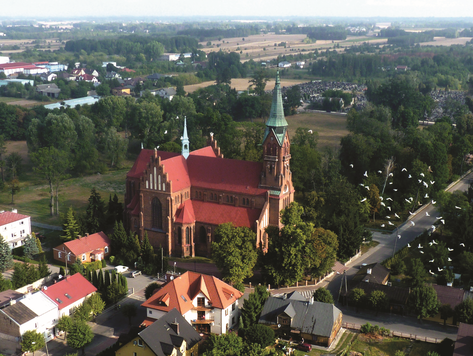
398 236
165 132
413 223
388 217
407 200
422 252
363 200
382 225
389 208
462 244
351 165
381 198
438 217
420 246
440 269
383 204
157 147
425 184
427 214
397 216
404 170
449 259
367 187
435 242
310 131
411 213
362 184
419 180
433 229
432 261
434 202
430 243
457 207
443 221
411 198
380 171
432 182
409 176
422 174
390 223
389 199
409 245
390 183
450 249
426 196
431 272
394 190
366 174
390 174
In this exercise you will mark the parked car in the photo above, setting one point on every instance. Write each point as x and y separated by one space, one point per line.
135 273
304 347
121 269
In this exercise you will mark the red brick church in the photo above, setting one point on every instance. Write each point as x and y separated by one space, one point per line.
179 199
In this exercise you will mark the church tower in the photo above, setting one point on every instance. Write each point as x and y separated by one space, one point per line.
185 141
276 175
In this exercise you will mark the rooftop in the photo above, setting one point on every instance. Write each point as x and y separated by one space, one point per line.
70 290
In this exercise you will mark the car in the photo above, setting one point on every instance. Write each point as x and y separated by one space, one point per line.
121 269
135 273
305 347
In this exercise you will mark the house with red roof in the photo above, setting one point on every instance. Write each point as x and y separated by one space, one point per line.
14 227
179 199
206 302
88 248
69 293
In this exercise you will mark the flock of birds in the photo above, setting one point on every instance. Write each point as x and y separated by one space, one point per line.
412 223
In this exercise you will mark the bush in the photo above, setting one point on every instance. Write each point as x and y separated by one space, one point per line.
112 260
260 334
150 289
366 328
104 264
375 330
240 286
398 267
445 348
384 332
399 353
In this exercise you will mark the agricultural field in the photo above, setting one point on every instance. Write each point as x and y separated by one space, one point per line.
243 84
442 41
49 44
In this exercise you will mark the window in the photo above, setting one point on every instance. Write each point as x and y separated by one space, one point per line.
200 302
233 320
69 256
233 306
105 249
226 312
83 257
157 214
135 354
140 342
188 236
150 312
59 254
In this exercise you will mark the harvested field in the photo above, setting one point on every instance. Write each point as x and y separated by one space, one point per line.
50 44
442 41
27 103
243 84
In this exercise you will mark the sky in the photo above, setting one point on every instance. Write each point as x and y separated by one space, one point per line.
253 8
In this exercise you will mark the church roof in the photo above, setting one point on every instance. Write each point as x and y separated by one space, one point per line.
176 168
276 121
215 214
142 161
185 213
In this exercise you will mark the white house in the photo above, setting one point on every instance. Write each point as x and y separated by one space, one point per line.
206 302
165 93
14 227
284 64
300 64
33 312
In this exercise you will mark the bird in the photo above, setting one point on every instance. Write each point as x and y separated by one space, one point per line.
427 214
413 223
411 198
432 261
432 182
382 225
422 174
407 200
397 216
310 131
366 174
426 196
390 183
420 246
419 180
362 184
398 236
425 184
404 170
380 171
363 200
157 147
457 207
409 176
383 204
381 198
165 132
395 190
443 221
389 199
411 213
462 244
388 217
435 242
390 223
450 249
431 272
367 187
390 174
449 259
409 245
438 217
430 243
440 269
351 165
422 252
389 208
434 202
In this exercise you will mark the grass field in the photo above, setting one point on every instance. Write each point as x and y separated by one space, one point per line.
389 346
4 99
243 84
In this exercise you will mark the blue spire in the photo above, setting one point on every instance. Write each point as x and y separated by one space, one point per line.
185 141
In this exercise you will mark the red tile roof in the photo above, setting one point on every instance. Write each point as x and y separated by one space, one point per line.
213 213
205 151
8 217
142 161
17 65
87 243
449 295
188 286
185 213
76 287
176 168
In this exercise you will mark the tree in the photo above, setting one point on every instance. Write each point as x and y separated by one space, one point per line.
417 272
423 301
234 252
95 216
374 200
30 248
5 284
38 243
147 123
79 336
115 146
358 298
64 324
3 150
114 292
323 295
83 313
378 301
260 334
147 251
32 341
96 304
129 310
14 165
292 100
6 258
464 311
446 312
51 164
321 251
70 227
13 187
225 344
150 289
258 83
253 306
20 275
103 89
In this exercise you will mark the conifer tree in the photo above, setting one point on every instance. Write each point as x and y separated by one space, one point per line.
95 217
114 277
147 251
70 227
100 281
30 248
38 243
6 258
95 279
107 279
119 237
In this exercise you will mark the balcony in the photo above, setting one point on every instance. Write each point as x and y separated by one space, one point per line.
202 321
202 308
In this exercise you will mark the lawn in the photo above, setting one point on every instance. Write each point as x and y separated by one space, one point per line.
389 346
4 99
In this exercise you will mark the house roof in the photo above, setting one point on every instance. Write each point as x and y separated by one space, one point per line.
178 174
38 302
87 243
7 296
19 313
215 214
314 318
185 213
378 273
161 337
70 290
180 292
449 295
8 217
464 343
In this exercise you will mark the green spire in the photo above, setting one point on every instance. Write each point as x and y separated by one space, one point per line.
276 120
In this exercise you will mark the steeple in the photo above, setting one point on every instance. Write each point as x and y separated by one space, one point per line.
185 141
276 120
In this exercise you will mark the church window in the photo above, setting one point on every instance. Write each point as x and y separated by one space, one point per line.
231 199
157 214
268 149
202 235
188 236
200 195
159 182
164 186
227 199
179 235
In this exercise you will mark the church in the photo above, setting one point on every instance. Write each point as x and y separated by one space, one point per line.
179 199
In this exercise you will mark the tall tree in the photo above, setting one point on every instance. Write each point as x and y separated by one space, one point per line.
417 272
95 213
423 301
70 227
79 336
96 304
115 146
30 247
234 252
378 301
32 341
259 80
6 258
64 324
3 150
253 306
464 311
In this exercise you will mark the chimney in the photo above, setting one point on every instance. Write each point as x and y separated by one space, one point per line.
14 211
175 326
78 236
86 234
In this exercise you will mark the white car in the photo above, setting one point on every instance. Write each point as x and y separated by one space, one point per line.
121 269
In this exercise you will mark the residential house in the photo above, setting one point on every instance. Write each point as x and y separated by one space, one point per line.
157 76
89 248
78 71
295 316
88 78
401 68
14 227
92 72
33 312
206 302
284 64
104 64
69 293
112 75
9 297
372 273
53 66
464 343
165 93
300 64
48 77
169 335
169 57
66 76
447 295
49 90
121 91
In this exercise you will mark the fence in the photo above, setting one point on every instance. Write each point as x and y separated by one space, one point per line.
432 340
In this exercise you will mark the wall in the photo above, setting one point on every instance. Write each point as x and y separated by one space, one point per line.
8 327
129 348
153 313
36 285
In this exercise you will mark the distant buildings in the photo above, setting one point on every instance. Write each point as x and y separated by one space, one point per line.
49 90
284 64
14 227
165 93
87 100
21 67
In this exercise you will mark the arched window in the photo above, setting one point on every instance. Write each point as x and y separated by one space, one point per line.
268 149
188 236
157 214
179 236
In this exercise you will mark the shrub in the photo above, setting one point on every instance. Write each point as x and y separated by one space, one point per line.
398 267
366 328
445 348
260 334
104 264
240 286
384 332
399 353
149 291
112 260
375 330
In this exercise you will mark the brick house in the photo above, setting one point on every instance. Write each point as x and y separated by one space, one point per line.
88 248
179 199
